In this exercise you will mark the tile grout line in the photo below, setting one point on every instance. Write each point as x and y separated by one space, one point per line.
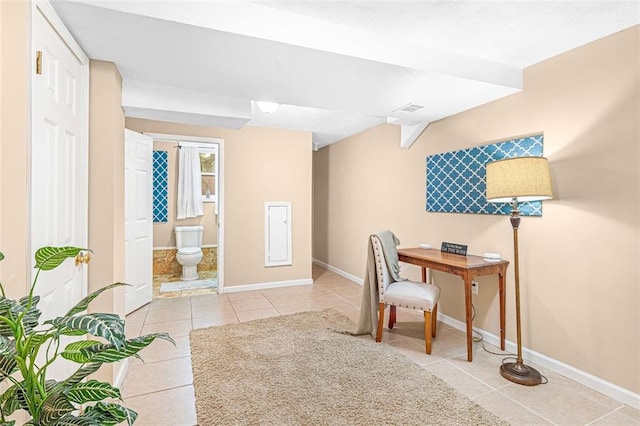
158 391
494 389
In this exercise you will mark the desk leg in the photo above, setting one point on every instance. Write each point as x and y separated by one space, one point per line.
503 298
469 317
426 275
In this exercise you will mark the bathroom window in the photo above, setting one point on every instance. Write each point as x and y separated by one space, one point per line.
209 171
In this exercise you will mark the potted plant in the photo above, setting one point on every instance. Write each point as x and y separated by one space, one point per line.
28 349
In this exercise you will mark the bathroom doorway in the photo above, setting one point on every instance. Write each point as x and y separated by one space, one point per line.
167 270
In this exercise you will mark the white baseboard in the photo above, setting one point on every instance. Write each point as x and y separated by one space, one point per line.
122 373
339 272
586 379
264 286
609 389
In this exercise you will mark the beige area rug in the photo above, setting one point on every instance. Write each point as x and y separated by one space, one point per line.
296 370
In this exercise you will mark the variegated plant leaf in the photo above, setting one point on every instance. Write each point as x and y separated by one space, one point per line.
116 412
9 401
107 326
73 351
84 303
92 390
8 365
5 306
106 353
79 375
71 420
48 258
1 256
69 332
8 423
54 407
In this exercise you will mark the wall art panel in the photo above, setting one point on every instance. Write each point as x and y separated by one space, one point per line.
456 180
160 186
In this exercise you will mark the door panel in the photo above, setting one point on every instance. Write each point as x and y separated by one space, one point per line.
138 220
59 180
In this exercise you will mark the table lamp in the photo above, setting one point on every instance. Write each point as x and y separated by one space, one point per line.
515 180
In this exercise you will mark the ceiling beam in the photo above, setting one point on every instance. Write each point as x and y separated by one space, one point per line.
256 20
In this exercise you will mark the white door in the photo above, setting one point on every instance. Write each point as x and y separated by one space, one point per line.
59 155
138 192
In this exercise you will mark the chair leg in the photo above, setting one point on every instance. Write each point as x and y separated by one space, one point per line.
434 320
392 317
380 322
427 331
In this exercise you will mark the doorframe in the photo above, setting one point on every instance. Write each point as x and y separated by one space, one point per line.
220 197
44 7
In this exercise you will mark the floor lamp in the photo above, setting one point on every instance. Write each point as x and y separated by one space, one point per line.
515 180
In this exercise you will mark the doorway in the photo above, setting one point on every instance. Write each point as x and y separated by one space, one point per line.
166 267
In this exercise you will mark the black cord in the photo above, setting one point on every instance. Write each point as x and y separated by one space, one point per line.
480 339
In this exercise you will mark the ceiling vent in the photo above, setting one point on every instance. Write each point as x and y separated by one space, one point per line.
409 108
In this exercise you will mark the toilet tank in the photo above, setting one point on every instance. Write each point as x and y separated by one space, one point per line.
188 236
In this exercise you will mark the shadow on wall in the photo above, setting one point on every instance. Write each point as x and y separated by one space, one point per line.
596 170
320 204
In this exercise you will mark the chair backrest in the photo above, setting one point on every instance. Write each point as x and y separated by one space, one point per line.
382 272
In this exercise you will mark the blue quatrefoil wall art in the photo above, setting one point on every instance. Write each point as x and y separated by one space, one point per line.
160 186
456 180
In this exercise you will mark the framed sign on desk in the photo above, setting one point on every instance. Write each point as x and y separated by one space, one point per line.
467 268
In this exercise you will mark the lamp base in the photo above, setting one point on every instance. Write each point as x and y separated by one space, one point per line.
519 373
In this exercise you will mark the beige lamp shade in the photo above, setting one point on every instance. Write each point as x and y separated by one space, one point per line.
522 178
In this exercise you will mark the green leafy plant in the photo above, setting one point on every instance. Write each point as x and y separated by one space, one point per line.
28 349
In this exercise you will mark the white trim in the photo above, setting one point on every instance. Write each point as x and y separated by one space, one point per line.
609 389
264 286
122 373
586 379
165 137
339 271
50 15
220 196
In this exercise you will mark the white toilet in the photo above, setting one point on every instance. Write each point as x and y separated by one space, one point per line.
189 244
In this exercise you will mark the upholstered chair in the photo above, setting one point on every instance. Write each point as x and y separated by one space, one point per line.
406 294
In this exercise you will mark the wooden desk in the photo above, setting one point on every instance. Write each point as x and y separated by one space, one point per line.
466 267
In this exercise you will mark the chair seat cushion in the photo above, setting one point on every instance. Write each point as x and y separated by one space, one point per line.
413 295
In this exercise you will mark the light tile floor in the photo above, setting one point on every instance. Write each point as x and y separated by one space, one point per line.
161 390
158 280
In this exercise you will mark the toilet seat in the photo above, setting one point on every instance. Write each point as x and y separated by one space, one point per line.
189 250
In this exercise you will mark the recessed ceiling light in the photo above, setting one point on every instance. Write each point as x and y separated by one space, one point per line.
267 107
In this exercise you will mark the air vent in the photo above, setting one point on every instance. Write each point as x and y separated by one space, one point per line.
410 108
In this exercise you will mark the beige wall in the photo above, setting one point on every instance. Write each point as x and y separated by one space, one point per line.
259 165
14 147
106 225
106 191
579 262
163 235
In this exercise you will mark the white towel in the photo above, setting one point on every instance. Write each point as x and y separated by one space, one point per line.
189 184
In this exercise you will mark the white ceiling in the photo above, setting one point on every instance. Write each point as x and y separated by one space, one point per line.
338 67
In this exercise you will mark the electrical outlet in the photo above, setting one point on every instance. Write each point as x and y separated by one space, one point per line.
474 287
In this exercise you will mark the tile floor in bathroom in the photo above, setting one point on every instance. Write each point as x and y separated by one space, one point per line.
158 280
161 390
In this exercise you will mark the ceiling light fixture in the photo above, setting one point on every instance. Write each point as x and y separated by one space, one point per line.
267 107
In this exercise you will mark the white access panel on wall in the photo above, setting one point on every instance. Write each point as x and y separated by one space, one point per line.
277 241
